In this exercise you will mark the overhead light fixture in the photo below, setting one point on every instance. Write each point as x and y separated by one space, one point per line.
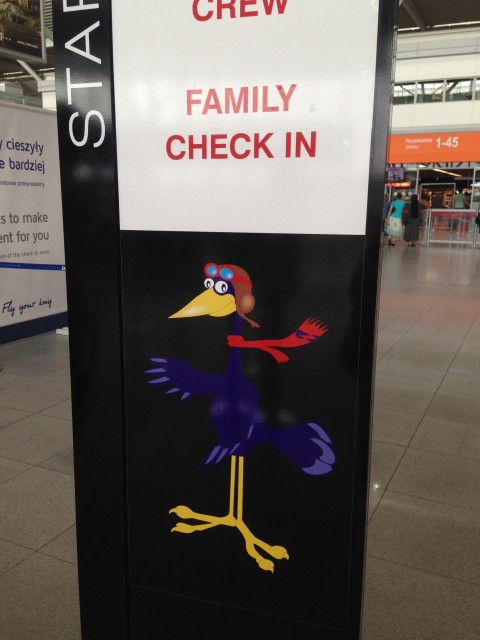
456 175
451 25
456 24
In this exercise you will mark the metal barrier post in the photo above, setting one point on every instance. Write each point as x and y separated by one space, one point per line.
427 229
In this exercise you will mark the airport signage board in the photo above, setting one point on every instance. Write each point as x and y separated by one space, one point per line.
32 258
237 285
452 146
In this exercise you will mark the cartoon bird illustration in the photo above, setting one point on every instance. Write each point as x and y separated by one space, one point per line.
234 409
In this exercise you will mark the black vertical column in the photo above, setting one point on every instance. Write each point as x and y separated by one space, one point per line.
371 285
159 594
83 64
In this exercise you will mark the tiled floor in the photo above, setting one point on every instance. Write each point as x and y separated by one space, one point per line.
423 554
423 562
38 573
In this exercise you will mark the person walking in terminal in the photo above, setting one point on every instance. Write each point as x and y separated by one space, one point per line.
386 208
394 219
411 231
460 201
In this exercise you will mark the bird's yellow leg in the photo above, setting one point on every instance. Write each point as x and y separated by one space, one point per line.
230 520
208 521
251 541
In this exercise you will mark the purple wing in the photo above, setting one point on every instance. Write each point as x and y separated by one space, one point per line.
182 378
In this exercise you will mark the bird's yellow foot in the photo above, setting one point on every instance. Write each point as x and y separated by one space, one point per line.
251 544
207 521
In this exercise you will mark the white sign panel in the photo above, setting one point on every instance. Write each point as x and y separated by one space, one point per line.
32 259
225 124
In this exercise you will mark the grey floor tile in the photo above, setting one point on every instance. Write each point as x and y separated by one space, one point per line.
396 427
11 555
53 343
393 397
461 383
36 364
40 600
62 462
61 375
393 329
472 341
9 415
453 312
383 346
425 337
466 362
454 407
385 458
375 494
63 547
60 410
11 468
35 438
420 358
47 343
426 535
408 373
402 603
441 478
414 282
35 507
32 396
408 307
406 377
8 379
449 437
12 351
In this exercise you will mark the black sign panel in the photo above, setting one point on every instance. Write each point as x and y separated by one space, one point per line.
286 402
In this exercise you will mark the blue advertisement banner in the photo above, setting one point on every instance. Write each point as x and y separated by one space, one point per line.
32 257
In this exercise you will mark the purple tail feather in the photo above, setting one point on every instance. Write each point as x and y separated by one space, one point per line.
307 445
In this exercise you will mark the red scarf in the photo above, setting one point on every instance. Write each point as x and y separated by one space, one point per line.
306 333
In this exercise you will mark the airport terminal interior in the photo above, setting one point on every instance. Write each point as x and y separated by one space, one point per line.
422 572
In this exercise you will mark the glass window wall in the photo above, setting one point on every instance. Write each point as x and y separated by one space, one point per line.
477 89
458 90
430 91
404 93
436 90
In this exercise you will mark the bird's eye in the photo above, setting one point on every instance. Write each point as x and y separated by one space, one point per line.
208 283
221 287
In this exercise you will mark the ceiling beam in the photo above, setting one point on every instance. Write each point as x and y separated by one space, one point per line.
29 70
414 13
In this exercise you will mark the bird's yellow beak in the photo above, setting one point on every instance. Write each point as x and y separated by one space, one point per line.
208 303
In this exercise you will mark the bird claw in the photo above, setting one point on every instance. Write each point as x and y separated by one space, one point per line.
279 553
183 527
266 565
254 544
182 512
